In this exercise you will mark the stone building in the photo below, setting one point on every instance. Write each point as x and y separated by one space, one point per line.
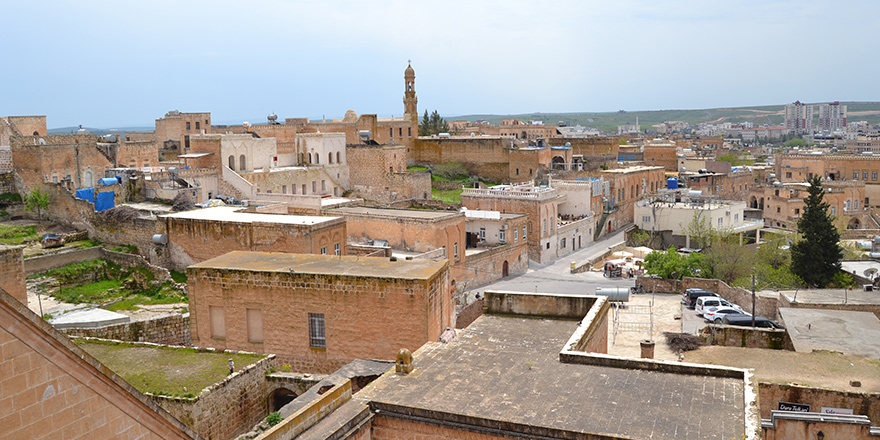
798 167
318 312
51 388
627 185
662 154
380 174
729 185
783 204
173 131
195 236
12 268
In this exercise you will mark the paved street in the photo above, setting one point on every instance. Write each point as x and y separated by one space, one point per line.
556 277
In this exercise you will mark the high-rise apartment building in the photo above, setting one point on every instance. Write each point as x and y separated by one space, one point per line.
832 116
799 118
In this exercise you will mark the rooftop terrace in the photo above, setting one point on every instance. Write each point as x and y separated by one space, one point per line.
234 214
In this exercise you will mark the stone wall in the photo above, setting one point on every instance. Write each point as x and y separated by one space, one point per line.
735 336
12 273
487 158
864 403
488 266
537 304
5 161
228 408
48 262
365 317
387 428
167 330
309 415
469 313
870 308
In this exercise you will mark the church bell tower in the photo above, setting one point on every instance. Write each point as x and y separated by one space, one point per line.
410 102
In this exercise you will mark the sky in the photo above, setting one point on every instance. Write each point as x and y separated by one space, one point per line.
125 63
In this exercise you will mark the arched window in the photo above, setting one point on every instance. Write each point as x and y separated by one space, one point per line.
337 158
242 163
329 157
310 157
300 158
317 158
232 163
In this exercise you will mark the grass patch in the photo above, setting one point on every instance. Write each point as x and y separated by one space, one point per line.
178 277
182 372
92 292
417 168
448 196
77 270
15 235
126 249
84 244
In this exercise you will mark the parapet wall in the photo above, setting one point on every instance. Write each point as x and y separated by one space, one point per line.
734 336
764 306
167 330
537 304
865 403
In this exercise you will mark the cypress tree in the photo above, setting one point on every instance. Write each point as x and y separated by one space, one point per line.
816 256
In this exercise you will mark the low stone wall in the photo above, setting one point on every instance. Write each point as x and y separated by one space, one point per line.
488 266
735 336
770 394
870 308
537 304
61 259
12 279
586 265
228 408
310 414
167 330
469 314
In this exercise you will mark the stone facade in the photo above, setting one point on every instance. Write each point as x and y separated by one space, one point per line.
864 403
627 186
166 330
12 268
369 307
378 173
50 388
486 157
191 240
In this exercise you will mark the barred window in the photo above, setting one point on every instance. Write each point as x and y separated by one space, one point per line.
316 330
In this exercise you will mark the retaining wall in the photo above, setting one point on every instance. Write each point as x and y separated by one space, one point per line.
167 330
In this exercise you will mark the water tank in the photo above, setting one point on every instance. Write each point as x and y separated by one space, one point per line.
620 294
672 183
109 138
160 239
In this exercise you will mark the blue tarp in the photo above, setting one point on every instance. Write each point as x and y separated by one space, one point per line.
86 194
104 201
107 181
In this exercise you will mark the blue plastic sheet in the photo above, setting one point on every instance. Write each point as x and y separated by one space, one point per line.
104 201
86 194
107 181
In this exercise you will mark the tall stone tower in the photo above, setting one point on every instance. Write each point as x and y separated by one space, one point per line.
410 102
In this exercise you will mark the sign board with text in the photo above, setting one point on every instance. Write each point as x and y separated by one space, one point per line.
796 407
830 410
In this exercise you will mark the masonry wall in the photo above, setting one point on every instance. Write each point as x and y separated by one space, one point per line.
166 330
864 403
735 336
192 241
408 233
379 173
50 389
487 266
63 156
5 161
591 146
485 157
665 157
386 428
538 212
767 307
365 317
12 277
228 408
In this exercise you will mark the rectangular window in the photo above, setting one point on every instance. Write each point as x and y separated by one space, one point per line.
646 219
874 175
856 204
314 186
516 235
218 322
323 251
833 210
283 189
336 249
797 211
517 171
323 185
455 251
316 330
187 126
255 325
788 175
408 131
720 221
391 132
197 125
855 175
482 233
400 132
736 218
304 188
525 231
563 243
545 226
502 236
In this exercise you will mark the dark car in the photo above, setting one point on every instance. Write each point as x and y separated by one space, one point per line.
689 297
741 320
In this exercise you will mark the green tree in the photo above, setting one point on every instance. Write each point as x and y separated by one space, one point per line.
671 264
37 199
727 260
816 256
795 142
433 124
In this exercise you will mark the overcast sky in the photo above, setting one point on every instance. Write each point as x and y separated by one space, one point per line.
117 63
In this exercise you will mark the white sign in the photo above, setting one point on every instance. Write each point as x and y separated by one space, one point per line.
830 410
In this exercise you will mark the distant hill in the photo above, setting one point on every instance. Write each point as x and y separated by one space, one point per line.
608 121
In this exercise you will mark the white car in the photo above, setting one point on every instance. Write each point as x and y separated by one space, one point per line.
706 302
716 314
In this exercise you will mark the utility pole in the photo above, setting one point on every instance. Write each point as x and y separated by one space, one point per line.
753 300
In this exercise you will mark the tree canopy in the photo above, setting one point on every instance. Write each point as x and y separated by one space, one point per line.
671 264
816 256
37 199
433 124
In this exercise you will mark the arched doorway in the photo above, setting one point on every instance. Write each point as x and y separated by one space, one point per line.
558 163
279 398
854 223
753 202
242 163
88 180
504 269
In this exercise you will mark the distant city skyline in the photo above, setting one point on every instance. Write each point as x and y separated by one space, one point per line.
106 64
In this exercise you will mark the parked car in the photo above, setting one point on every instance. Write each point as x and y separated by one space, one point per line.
691 296
744 320
706 302
715 314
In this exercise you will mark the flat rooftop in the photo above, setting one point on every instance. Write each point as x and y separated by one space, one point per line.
234 214
634 169
844 331
506 370
352 266
832 296
421 214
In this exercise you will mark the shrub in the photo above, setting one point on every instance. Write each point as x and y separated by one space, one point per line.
273 418
451 171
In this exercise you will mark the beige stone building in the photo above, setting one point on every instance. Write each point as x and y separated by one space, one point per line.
318 312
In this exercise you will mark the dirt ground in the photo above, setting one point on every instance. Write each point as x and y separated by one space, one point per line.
666 308
45 304
818 369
